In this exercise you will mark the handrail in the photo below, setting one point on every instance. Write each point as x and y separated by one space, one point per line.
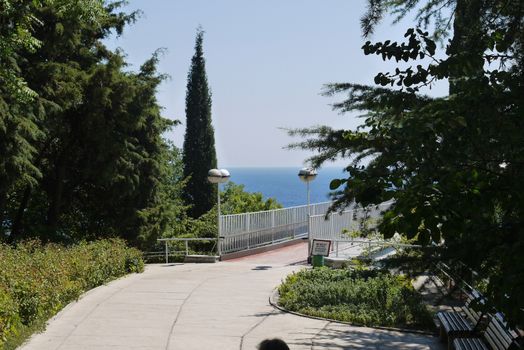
259 230
382 243
275 210
370 243
246 230
257 221
186 240
354 209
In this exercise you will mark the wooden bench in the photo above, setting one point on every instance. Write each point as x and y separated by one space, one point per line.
456 324
496 336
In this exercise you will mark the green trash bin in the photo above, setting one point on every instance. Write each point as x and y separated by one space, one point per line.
318 260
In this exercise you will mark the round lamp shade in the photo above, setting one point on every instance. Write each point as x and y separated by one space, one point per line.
307 174
218 176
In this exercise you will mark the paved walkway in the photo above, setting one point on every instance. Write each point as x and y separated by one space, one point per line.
211 306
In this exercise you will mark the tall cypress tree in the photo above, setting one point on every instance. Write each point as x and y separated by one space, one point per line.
199 142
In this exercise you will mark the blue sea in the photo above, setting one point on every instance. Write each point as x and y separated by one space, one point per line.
284 185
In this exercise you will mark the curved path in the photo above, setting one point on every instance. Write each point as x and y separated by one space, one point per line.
205 306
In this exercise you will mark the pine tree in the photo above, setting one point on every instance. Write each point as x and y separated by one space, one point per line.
20 109
199 143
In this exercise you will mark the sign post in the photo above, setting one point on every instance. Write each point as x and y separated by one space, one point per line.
319 249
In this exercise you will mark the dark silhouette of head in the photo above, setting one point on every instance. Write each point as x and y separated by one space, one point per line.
273 344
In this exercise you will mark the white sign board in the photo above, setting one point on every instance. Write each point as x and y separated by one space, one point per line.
321 247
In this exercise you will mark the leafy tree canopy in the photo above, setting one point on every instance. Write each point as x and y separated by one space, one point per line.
454 164
83 157
237 200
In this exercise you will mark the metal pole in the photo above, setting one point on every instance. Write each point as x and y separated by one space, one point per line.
167 254
308 223
218 237
187 248
294 221
308 212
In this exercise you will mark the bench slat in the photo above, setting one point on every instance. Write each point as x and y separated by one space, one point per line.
497 336
494 337
451 322
472 315
469 344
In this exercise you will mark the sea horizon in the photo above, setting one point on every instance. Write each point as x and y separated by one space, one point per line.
283 183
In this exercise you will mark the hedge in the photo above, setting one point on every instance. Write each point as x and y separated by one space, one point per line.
36 280
362 297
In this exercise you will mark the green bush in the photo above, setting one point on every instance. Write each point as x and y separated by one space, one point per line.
36 280
9 319
366 297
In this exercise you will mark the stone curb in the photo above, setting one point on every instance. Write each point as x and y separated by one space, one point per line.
273 301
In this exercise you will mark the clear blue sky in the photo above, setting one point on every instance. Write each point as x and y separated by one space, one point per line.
266 62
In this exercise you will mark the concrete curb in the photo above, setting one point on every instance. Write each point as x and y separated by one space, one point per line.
273 301
201 259
91 291
72 303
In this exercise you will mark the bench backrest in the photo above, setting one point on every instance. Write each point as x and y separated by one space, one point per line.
498 334
473 299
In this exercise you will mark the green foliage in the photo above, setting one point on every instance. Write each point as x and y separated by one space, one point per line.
19 108
234 200
452 164
413 261
237 200
365 297
84 158
199 140
36 280
9 318
169 213
18 21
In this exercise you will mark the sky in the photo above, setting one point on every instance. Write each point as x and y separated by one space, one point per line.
266 62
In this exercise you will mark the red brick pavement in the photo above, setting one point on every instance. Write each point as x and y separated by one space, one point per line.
295 254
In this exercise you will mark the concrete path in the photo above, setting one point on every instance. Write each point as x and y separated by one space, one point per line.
212 306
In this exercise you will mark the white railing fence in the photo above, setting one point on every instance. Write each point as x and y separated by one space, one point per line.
251 230
345 230
341 226
168 251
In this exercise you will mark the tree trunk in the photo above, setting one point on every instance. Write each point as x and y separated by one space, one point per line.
56 197
17 228
3 199
465 44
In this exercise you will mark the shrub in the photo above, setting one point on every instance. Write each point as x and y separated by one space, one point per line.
9 319
36 280
366 297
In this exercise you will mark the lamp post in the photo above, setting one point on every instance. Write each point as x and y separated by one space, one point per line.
307 175
218 176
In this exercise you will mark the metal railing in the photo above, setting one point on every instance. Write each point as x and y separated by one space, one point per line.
340 226
367 247
251 230
348 227
186 243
